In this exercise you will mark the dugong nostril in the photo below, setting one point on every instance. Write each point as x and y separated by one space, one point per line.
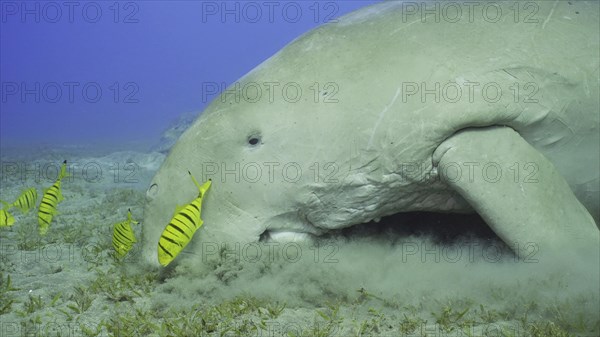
151 192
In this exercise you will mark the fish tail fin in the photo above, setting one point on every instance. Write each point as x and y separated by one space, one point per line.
201 188
130 218
205 186
63 171
194 179
6 204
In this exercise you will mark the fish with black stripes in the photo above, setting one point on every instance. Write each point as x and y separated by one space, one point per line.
6 219
52 196
26 201
123 237
183 225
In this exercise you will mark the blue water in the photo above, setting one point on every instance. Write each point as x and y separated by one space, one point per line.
113 73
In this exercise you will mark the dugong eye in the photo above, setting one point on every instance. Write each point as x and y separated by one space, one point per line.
254 140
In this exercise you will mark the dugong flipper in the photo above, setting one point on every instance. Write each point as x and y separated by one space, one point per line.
531 209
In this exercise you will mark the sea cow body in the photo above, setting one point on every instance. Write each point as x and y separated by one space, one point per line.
402 112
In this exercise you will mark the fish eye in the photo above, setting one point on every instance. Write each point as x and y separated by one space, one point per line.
254 140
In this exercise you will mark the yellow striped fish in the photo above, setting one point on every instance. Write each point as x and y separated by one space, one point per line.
123 237
6 219
52 196
26 201
182 226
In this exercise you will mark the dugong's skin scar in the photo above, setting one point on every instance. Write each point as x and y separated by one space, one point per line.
381 115
549 15
404 27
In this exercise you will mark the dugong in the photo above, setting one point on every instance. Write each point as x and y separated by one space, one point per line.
398 107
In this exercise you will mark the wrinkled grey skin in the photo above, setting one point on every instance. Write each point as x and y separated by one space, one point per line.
359 140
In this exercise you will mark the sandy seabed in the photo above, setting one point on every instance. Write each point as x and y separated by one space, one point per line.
68 282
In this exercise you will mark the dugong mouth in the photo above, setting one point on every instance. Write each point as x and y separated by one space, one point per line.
285 236
405 227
